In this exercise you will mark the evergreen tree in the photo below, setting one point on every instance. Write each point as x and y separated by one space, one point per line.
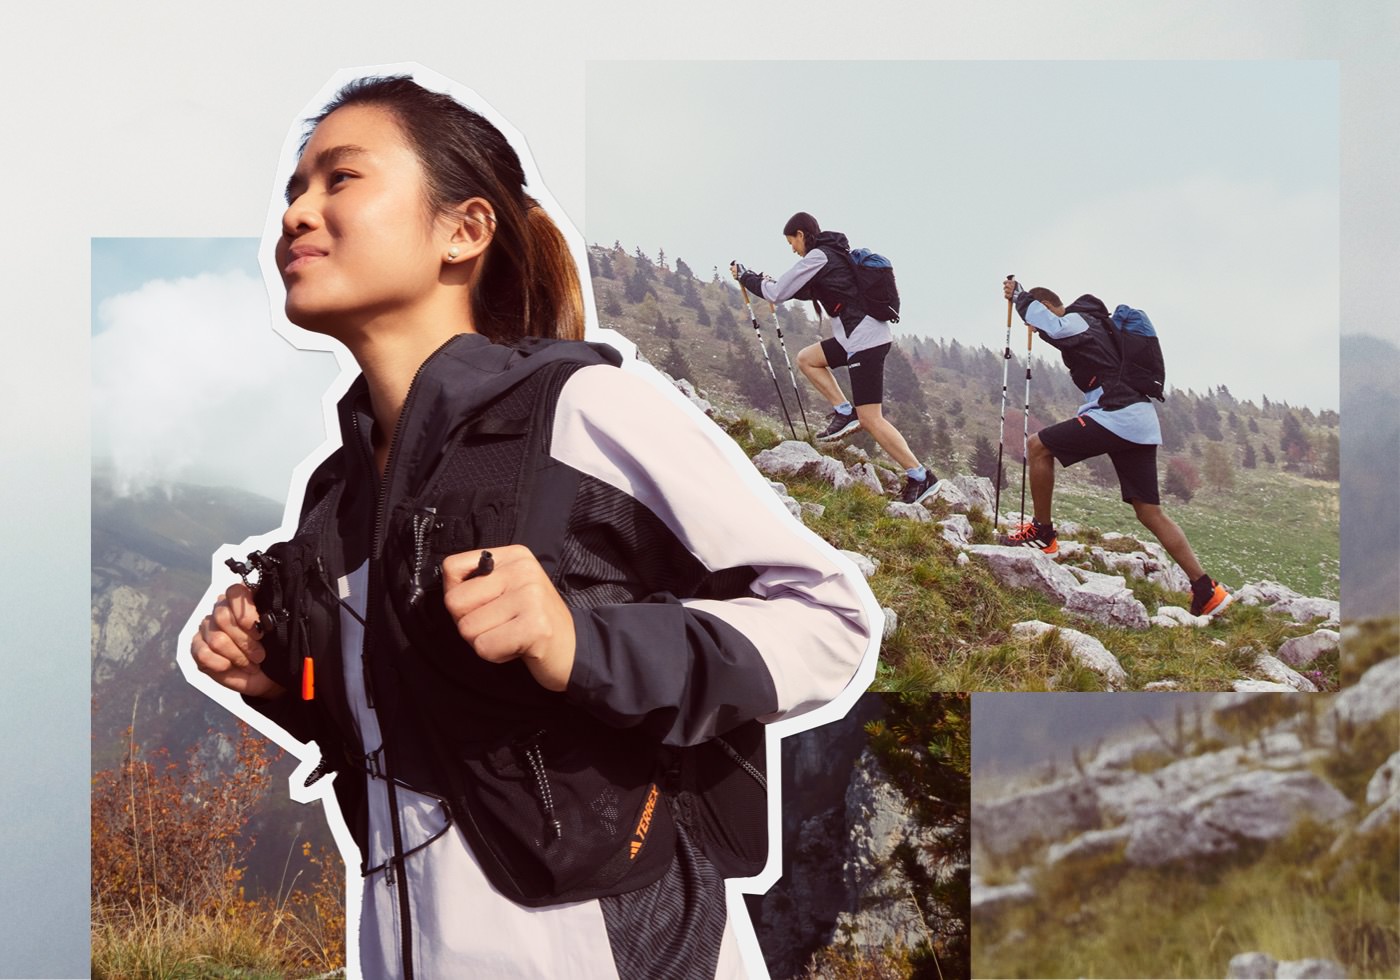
1208 420
1293 443
751 378
901 383
984 462
1331 466
942 444
1253 425
683 270
638 286
1268 454
612 307
702 315
593 269
1249 462
675 364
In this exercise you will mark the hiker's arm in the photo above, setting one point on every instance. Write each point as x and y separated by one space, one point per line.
227 646
689 668
789 283
1037 315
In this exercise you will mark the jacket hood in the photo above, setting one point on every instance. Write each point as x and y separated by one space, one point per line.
458 379
833 238
1088 304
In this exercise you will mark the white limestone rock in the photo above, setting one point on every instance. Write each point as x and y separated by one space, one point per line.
1027 568
991 899
793 458
948 492
810 509
1174 616
1082 647
867 566
891 622
1247 686
1087 845
1310 969
1162 686
1108 600
976 490
693 395
1252 966
1069 551
1387 813
1258 805
1374 695
1274 669
1385 782
866 475
1301 651
910 512
956 530
1055 811
1283 600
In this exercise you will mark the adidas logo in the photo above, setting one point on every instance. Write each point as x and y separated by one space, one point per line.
639 836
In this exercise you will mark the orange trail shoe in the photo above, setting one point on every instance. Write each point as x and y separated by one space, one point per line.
1208 597
1033 535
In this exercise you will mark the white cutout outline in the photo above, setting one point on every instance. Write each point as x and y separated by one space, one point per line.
309 754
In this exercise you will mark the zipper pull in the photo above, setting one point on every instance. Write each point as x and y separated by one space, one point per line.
422 523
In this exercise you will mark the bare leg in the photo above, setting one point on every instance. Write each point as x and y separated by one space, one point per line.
812 361
1172 537
1041 463
873 420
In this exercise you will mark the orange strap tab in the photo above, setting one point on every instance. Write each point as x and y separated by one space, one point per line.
308 679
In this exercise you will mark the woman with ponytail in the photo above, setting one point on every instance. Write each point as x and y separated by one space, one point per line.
527 595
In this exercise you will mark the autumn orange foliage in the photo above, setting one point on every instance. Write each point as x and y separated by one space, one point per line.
169 848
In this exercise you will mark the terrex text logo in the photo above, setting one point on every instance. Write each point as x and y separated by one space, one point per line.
639 836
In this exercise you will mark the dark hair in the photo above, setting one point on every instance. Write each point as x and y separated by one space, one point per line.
1046 296
805 223
529 285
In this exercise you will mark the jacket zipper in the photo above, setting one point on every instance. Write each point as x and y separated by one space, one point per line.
400 879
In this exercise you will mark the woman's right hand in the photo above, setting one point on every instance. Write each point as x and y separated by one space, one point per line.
228 646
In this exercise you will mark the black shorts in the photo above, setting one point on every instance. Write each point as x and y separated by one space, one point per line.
1081 437
867 369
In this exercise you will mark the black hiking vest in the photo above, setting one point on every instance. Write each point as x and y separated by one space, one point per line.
1094 357
556 805
834 288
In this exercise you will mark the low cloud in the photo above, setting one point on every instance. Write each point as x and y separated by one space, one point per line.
191 384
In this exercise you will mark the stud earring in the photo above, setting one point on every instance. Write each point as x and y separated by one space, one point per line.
452 253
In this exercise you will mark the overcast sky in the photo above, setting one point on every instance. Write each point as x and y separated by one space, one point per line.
1203 192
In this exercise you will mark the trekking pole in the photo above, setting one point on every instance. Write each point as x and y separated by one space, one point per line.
763 347
800 407
1001 437
1026 423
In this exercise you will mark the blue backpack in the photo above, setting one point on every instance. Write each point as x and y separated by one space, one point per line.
1143 368
875 283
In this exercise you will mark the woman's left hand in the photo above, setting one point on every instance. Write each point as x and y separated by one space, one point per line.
512 612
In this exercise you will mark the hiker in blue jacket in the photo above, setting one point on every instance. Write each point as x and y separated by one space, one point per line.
858 341
1115 420
500 728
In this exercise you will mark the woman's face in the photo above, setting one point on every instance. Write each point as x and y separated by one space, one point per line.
798 243
357 240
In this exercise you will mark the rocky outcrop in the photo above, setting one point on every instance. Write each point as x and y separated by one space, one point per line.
1373 696
793 458
1286 602
1082 647
1107 599
1301 651
1026 568
1261 966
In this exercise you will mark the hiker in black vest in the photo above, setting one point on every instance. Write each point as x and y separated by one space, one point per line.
530 645
858 341
1115 419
